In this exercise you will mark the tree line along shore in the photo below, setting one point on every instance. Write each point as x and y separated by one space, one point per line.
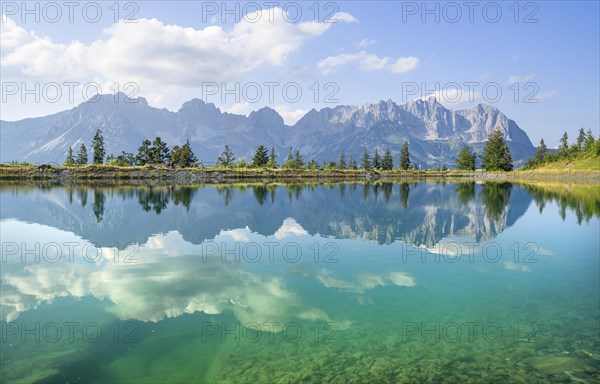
155 160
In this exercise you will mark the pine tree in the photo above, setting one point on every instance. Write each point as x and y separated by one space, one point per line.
98 151
376 160
176 155
124 159
159 152
352 163
366 161
387 162
404 156
82 157
226 159
298 162
342 161
312 164
272 159
496 154
589 141
466 159
563 149
183 157
144 155
581 140
189 158
289 162
540 152
70 161
260 158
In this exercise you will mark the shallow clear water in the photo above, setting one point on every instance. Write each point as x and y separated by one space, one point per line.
420 282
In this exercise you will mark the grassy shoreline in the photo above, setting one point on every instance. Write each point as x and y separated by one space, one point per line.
105 174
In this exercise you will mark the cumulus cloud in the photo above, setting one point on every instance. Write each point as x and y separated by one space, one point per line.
150 52
367 62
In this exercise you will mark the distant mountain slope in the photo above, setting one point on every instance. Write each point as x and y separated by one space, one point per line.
436 134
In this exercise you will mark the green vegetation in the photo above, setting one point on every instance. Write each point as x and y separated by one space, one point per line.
584 154
183 157
98 148
404 156
82 157
466 159
226 159
261 158
496 154
70 161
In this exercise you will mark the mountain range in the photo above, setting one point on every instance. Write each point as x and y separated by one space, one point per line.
435 133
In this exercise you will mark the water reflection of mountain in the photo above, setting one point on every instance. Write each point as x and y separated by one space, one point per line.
420 214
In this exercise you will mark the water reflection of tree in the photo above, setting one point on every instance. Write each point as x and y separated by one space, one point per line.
153 199
386 189
465 191
260 193
583 200
495 197
70 195
294 190
183 196
365 191
98 205
404 191
342 189
226 193
83 195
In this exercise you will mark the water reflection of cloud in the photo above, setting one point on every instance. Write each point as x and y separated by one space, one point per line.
364 281
238 234
289 228
169 279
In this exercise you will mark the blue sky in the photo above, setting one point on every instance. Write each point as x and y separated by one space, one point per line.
542 56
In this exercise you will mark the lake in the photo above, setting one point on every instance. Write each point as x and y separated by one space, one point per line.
385 282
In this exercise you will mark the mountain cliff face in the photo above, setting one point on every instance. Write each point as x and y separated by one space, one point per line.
435 134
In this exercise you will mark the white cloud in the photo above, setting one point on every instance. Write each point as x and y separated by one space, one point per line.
290 116
365 43
520 79
344 17
238 234
404 64
155 55
367 62
241 108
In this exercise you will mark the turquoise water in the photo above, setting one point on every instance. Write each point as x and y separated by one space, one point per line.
402 283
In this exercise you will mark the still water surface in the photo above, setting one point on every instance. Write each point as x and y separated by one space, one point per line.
403 283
